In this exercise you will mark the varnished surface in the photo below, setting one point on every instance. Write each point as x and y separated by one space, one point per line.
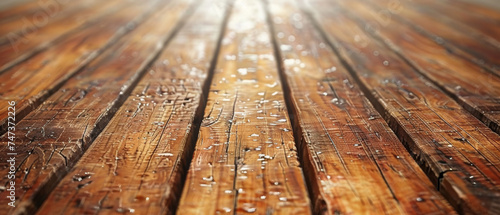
458 152
49 148
32 81
368 166
251 107
141 171
245 159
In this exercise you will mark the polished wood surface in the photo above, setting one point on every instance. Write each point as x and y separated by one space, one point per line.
250 107
367 166
458 152
245 159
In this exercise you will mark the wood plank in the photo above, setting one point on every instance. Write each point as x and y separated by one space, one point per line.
24 9
9 4
353 161
463 41
29 23
483 21
16 47
137 164
457 151
465 20
485 3
476 7
478 91
54 136
245 160
34 80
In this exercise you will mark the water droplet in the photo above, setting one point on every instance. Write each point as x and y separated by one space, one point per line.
242 71
230 57
124 210
286 47
158 123
272 85
439 40
297 17
249 210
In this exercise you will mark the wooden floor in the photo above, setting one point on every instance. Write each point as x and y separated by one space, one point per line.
250 106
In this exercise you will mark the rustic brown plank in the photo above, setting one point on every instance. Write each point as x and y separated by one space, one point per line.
473 15
53 137
35 79
353 161
18 46
478 91
456 15
492 4
458 39
245 160
137 164
457 151
10 4
29 23
479 9
22 9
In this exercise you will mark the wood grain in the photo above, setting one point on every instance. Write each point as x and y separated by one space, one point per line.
22 9
353 161
17 46
478 91
42 17
31 82
479 9
8 4
137 164
457 151
245 160
54 136
459 39
251 107
462 19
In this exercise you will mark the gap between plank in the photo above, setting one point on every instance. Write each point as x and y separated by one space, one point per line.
38 49
476 113
101 123
120 33
194 132
296 129
402 135
432 36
